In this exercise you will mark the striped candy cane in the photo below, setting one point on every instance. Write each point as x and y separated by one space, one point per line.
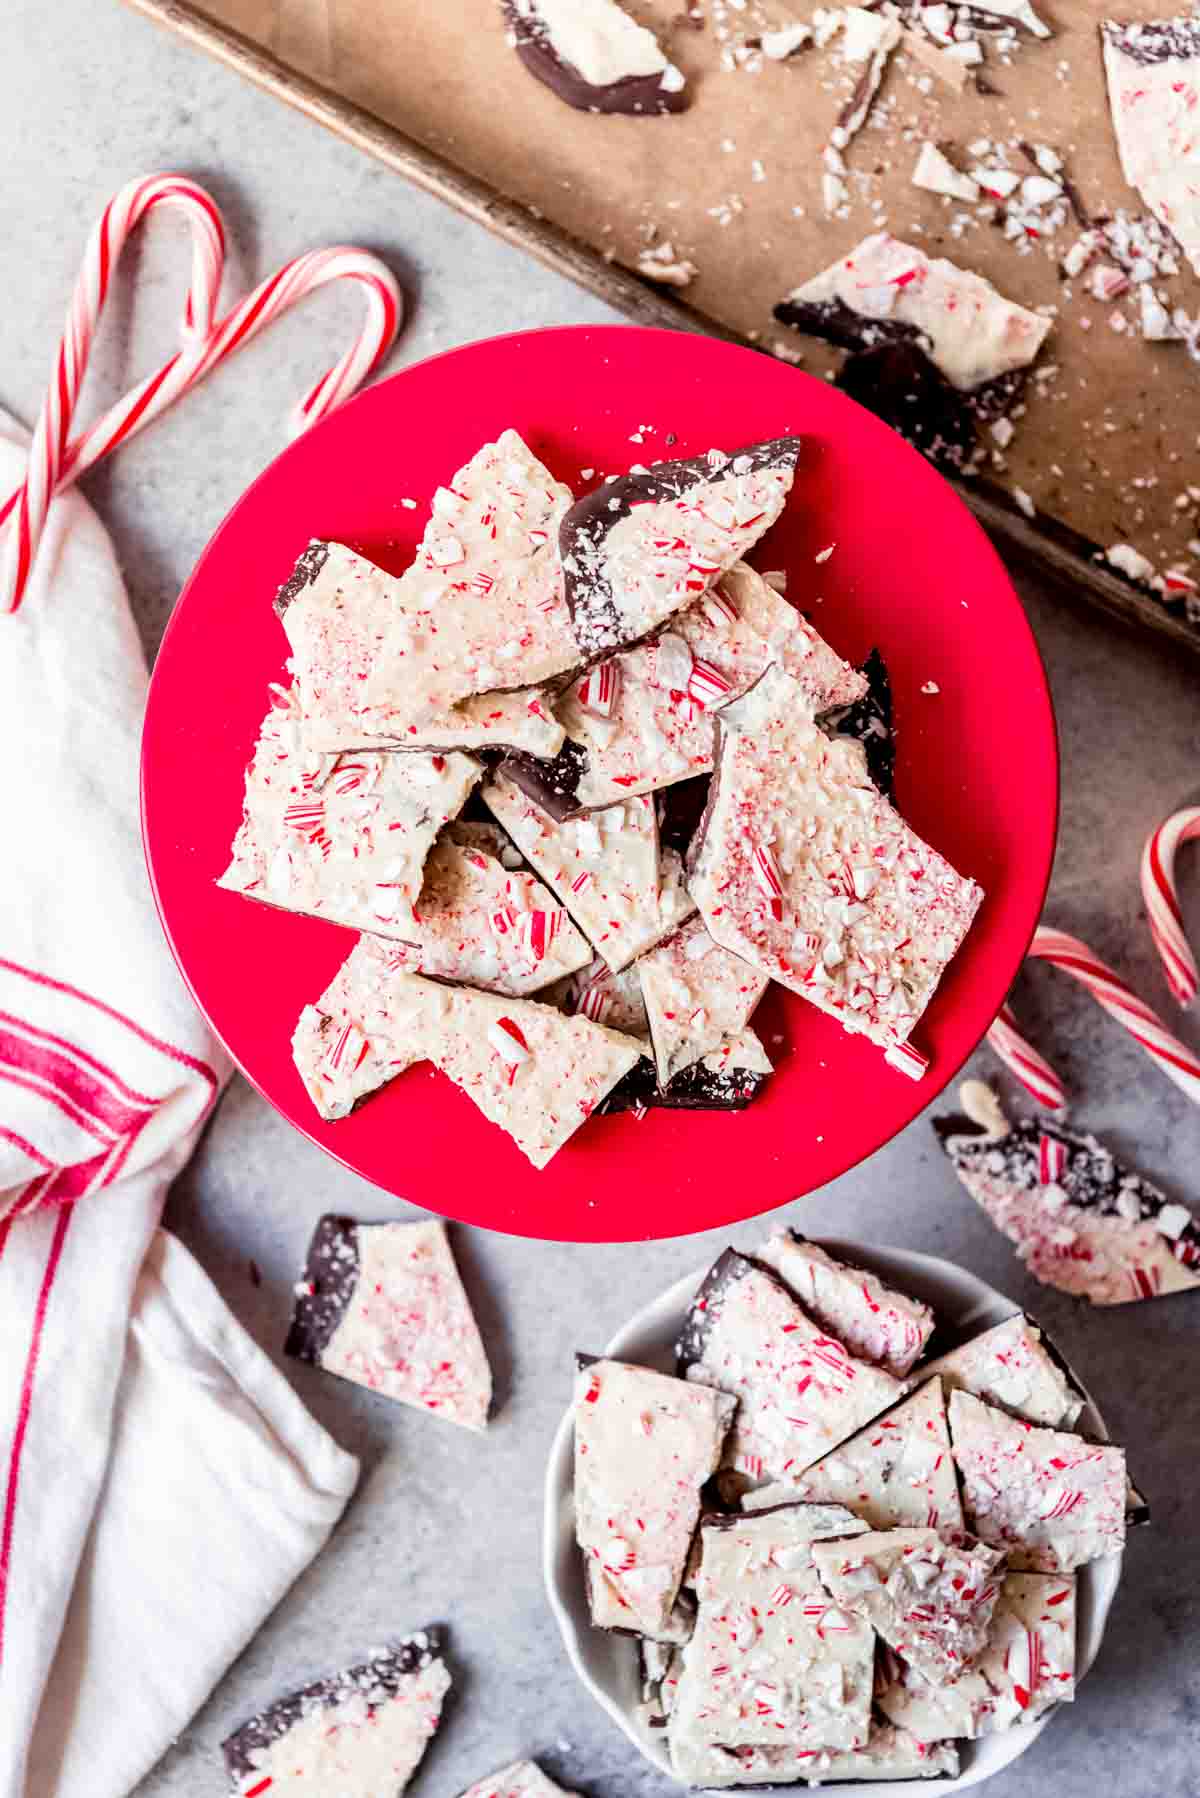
1144 1025
1162 902
56 459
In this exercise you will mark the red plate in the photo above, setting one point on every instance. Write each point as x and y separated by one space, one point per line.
977 766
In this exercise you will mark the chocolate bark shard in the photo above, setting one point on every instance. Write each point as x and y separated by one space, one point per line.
644 718
886 291
594 56
383 1305
696 995
929 1600
1010 1367
771 1659
359 1732
898 1473
727 1079
875 1321
645 1444
1153 72
826 889
1026 1668
341 837
640 548
552 783
869 721
1080 1220
901 386
889 1753
801 1393
535 1073
1051 1499
524 1779
607 869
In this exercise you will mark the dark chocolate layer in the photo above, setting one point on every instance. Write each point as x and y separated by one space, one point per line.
326 1288
551 782
869 722
308 566
694 1089
1156 40
639 95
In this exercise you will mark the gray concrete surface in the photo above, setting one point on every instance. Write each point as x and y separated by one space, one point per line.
444 1526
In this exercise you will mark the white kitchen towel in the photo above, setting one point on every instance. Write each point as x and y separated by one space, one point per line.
107 1074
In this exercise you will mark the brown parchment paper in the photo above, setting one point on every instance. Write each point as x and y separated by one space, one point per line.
1108 445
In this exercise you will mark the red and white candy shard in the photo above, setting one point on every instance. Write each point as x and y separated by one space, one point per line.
660 727
898 1473
928 1599
612 999
876 1322
339 837
1027 1666
644 1446
1052 1500
408 1331
531 1070
772 1660
888 1753
696 994
801 1392
1153 73
606 867
969 330
524 1779
868 916
1009 1366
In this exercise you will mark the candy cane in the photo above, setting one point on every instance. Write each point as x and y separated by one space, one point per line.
1162 901
56 459
1109 990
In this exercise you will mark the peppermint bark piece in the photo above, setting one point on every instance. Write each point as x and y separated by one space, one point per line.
696 995
524 1779
887 292
728 1078
644 717
593 55
361 1733
1026 1668
806 871
1051 1499
876 1322
645 1443
1153 71
771 1658
383 1305
535 1073
1010 1367
638 549
800 1391
889 1753
898 1473
624 893
1080 1219
341 837
929 1600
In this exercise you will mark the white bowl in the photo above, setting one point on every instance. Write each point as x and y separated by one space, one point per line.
607 1664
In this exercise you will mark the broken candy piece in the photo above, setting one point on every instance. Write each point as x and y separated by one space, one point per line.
876 1322
607 869
935 172
867 38
696 994
645 717
886 291
594 56
535 1073
889 1753
1153 72
640 548
383 1305
801 1392
359 1733
645 1443
728 1078
524 1779
1010 1366
341 837
929 1600
1080 1220
770 1657
898 1473
804 870
1050 1498
1027 1666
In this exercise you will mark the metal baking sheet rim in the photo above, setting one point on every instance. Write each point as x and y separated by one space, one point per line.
1050 545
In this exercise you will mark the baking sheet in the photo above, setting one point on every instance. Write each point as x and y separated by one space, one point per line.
1107 444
